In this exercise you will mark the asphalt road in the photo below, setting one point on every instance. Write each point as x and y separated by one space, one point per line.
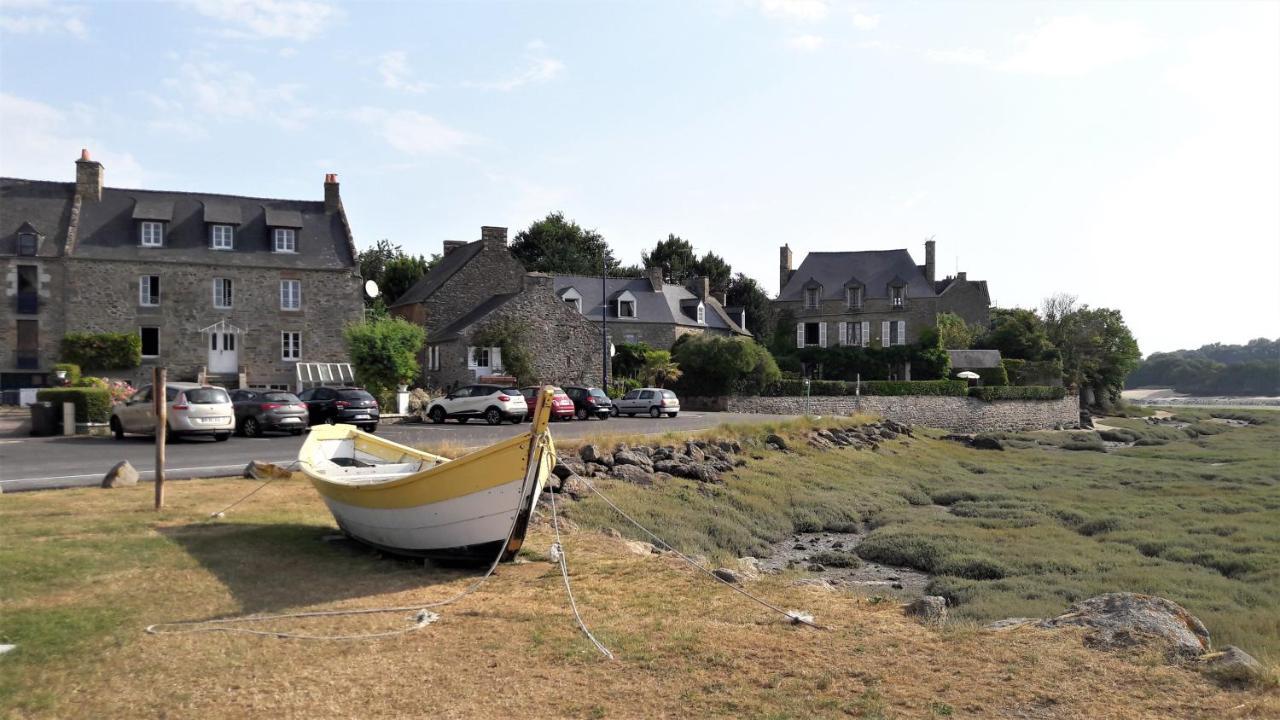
47 463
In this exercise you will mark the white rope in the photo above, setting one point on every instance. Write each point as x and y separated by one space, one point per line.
795 616
558 556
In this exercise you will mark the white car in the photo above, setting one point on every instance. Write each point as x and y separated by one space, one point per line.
494 403
194 409
655 401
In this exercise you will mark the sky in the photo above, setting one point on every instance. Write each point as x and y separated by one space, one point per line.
1126 153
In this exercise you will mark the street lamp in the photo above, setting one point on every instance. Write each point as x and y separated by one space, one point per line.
604 322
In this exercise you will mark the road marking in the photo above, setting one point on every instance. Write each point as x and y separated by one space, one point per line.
140 471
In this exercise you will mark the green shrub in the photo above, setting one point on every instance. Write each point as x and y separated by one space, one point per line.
951 497
71 369
993 377
102 351
973 567
92 404
384 352
905 549
915 496
1016 392
836 559
1033 372
713 365
1098 526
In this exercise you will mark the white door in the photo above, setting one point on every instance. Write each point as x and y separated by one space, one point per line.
223 355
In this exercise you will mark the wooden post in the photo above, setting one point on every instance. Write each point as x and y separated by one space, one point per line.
159 397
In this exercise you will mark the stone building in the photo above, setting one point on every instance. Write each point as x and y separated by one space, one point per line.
873 298
649 310
237 288
478 287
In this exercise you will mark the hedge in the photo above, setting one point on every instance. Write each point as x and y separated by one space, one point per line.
1018 392
92 404
1033 372
102 351
72 370
954 388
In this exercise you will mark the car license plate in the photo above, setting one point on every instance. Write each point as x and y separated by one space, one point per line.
213 420
362 417
285 421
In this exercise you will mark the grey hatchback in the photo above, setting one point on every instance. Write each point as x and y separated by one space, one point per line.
259 410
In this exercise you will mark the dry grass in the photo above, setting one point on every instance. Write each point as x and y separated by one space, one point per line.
100 565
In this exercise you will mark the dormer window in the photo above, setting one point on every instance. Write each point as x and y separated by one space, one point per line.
702 314
627 308
572 298
152 234
27 244
221 237
853 296
897 296
286 240
811 297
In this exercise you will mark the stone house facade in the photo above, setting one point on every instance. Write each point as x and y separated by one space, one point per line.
876 298
235 288
477 287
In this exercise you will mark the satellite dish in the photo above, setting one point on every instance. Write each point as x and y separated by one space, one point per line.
371 288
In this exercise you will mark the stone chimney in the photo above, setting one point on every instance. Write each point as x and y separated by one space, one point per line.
451 245
332 201
655 278
493 236
700 286
88 178
962 277
930 261
784 267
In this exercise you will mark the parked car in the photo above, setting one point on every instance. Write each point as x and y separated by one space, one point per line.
494 403
655 401
260 410
349 405
589 402
194 409
561 404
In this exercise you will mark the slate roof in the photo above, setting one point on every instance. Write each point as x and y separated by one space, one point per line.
452 262
666 307
456 328
973 359
877 269
107 229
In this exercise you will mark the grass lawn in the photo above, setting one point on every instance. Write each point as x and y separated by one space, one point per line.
83 571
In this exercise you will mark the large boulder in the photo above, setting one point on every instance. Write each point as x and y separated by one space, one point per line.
631 457
1120 620
775 441
931 609
632 474
592 454
575 487
122 474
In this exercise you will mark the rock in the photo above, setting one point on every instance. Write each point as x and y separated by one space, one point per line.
818 583
589 454
888 434
628 457
816 567
575 487
561 470
749 567
931 609
610 532
727 575
1010 623
987 442
775 441
694 452
576 467
706 474
121 474
798 546
1232 667
1119 620
632 474
964 439
837 545
639 547
592 469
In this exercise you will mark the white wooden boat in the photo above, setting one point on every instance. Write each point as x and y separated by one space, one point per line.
411 502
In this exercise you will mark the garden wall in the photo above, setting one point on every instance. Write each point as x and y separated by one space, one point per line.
956 414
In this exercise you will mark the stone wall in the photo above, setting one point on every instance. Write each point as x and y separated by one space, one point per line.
102 296
493 271
51 276
967 299
956 414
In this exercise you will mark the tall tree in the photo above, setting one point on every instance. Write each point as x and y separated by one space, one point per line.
745 292
954 333
675 256
1016 333
716 270
1098 350
556 245
393 269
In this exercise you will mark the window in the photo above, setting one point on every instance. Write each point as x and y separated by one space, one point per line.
150 341
433 357
702 314
220 237
222 293
811 333
479 357
228 341
149 290
27 244
290 294
853 334
627 308
286 240
152 234
574 303
811 297
290 345
898 296
854 297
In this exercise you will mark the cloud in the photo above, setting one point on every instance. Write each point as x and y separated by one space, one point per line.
1076 45
216 91
958 56
539 68
393 66
795 10
806 43
866 22
412 132
41 142
298 20
38 17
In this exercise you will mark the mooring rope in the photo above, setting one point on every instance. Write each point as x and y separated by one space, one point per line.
558 556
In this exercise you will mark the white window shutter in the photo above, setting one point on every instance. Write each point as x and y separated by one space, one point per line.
844 333
495 359
471 356
884 334
822 334
799 335
866 333
902 332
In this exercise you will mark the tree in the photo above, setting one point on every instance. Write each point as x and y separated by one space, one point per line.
556 245
384 352
675 256
628 359
1016 333
716 270
954 333
719 365
746 293
658 368
1097 348
394 270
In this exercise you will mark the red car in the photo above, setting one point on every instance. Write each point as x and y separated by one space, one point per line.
561 404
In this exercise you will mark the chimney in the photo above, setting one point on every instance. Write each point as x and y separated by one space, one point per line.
88 177
451 245
962 277
930 264
655 278
784 267
493 236
721 297
332 201
700 286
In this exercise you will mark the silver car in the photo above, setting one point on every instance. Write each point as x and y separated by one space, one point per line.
194 409
654 401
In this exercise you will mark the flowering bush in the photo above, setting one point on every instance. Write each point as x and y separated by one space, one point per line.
119 390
